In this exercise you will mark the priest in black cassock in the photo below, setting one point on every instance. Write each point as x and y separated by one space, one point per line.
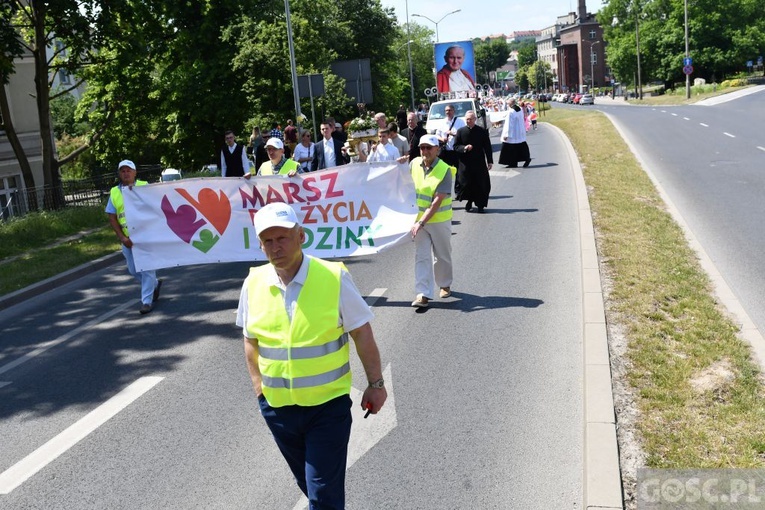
474 148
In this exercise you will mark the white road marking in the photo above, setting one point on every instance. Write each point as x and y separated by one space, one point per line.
373 296
507 173
686 118
705 125
761 148
674 115
728 134
63 338
50 451
4 383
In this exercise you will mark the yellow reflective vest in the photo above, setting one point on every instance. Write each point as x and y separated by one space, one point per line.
304 362
119 203
267 168
425 188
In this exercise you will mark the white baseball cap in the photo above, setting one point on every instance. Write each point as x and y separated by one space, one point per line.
275 214
275 143
431 140
126 162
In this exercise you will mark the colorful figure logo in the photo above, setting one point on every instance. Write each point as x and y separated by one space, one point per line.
183 221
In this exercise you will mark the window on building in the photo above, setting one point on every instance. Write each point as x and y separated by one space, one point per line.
64 77
10 196
592 34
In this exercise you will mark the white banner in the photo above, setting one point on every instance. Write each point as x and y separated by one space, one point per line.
351 210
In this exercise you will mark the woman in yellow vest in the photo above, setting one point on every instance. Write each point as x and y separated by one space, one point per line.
115 208
432 232
296 313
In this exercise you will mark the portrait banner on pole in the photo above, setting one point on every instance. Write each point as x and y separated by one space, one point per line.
351 210
458 66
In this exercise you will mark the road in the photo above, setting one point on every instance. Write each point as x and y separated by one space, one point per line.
103 408
710 160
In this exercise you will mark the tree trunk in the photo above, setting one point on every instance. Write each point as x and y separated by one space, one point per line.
18 150
54 193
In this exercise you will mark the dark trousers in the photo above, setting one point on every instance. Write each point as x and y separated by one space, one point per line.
314 442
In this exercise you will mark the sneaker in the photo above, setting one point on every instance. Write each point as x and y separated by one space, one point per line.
145 308
446 291
156 290
420 302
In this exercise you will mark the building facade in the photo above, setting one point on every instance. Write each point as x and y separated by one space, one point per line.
581 54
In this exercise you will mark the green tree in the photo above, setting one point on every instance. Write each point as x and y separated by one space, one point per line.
489 56
11 48
722 37
539 75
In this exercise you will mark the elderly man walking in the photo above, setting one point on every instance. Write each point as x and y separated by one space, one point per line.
474 147
432 232
296 313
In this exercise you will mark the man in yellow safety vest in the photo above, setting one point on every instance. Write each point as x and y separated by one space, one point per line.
115 208
296 313
432 231
277 163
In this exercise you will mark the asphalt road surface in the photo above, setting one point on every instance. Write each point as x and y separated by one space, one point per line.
103 408
710 160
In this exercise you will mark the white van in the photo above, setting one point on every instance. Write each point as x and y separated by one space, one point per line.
437 112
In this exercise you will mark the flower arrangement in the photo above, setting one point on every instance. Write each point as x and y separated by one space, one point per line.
364 124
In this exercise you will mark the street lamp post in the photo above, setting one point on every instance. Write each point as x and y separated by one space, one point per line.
639 79
592 65
687 55
408 45
436 22
637 51
409 54
293 66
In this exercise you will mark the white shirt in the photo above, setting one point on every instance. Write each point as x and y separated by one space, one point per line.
231 149
301 151
387 152
515 127
354 311
458 81
444 130
329 153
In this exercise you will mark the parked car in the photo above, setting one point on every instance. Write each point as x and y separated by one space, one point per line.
563 97
210 168
170 174
576 99
587 99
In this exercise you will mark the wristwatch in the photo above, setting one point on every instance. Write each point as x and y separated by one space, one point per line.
380 383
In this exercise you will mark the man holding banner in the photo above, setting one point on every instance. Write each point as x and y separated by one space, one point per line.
432 231
296 313
115 209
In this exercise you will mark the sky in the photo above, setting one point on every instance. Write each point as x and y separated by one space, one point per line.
485 17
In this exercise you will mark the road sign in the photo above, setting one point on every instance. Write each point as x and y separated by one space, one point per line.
749 63
687 61
688 69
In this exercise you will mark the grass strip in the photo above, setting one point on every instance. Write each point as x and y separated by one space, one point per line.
39 229
698 391
37 265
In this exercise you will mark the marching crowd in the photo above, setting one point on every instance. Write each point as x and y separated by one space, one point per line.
297 312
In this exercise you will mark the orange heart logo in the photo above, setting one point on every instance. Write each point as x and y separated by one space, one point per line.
216 208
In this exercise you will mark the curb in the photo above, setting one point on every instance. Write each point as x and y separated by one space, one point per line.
38 288
602 482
